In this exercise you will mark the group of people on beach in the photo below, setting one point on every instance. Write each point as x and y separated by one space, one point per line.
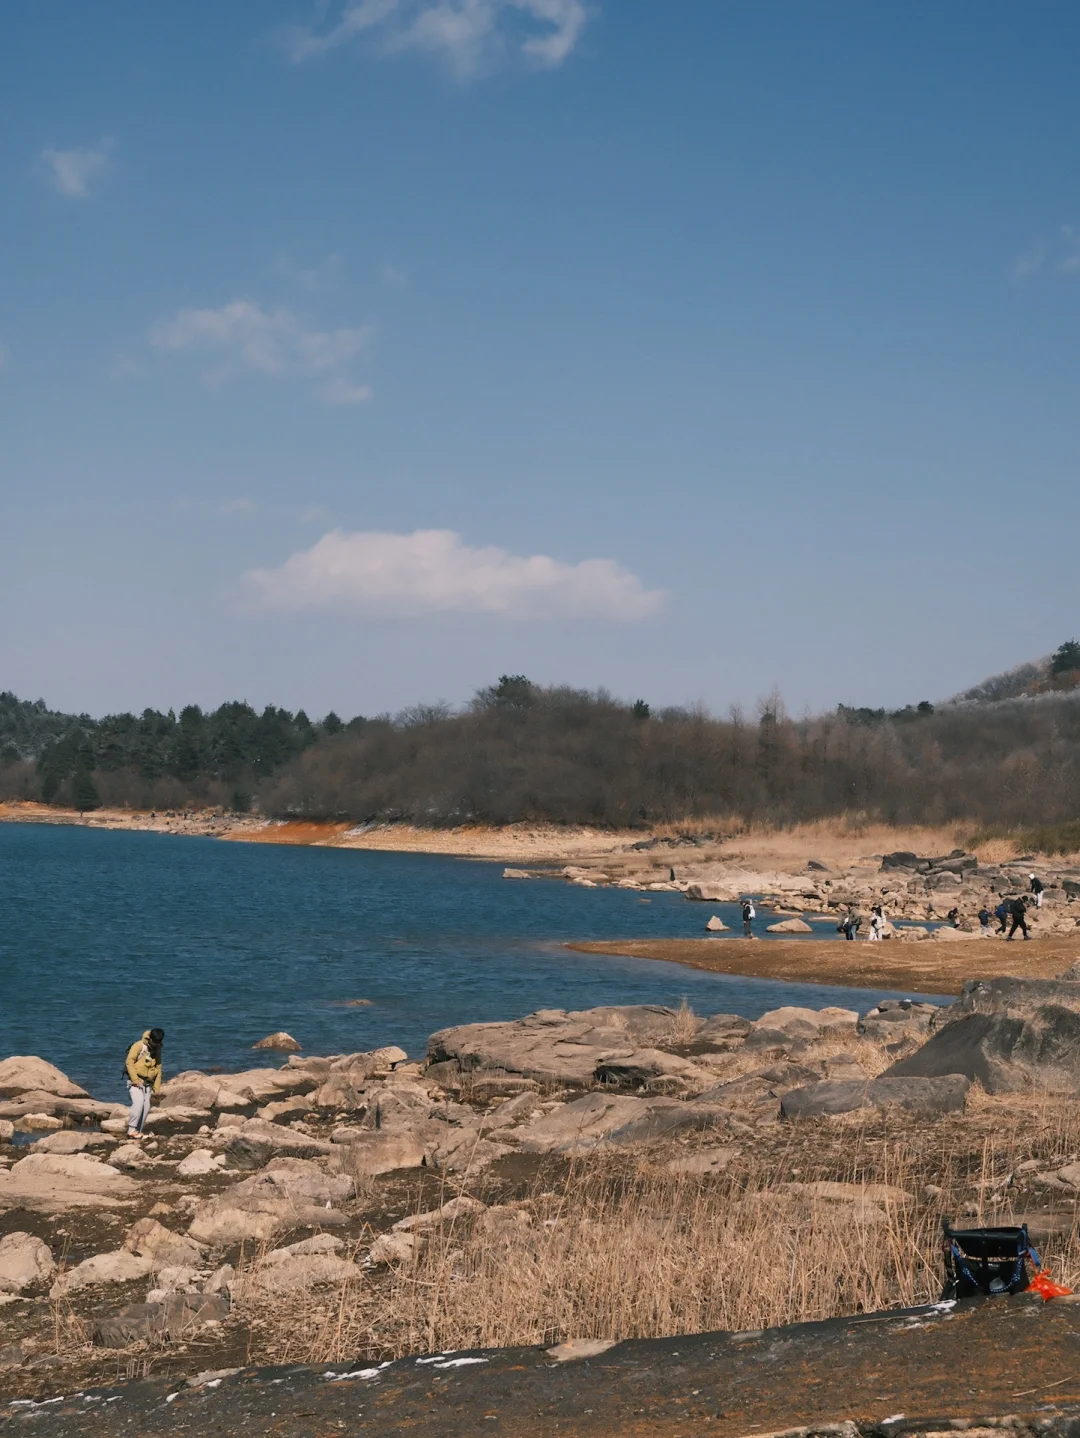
1011 914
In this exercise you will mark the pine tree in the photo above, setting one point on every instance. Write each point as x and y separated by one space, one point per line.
84 794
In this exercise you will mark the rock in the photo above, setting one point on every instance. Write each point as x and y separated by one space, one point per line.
946 934
816 866
131 1156
13 1355
461 1207
177 1118
288 1193
713 893
318 1243
178 1317
911 933
894 1019
297 1273
255 1142
790 926
1071 974
574 1348
601 1118
516 874
928 1097
199 1162
374 1153
25 1262
553 1046
119 1267
71 1140
391 1248
52 1182
7 1130
149 1239
80 1109
901 859
715 925
282 1042
799 1023
220 1281
1008 1033
721 1031
24 1074
704 1160
284 1110
38 1123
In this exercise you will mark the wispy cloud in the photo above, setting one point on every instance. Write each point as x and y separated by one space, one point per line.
433 571
468 35
245 336
315 515
1061 256
71 172
236 506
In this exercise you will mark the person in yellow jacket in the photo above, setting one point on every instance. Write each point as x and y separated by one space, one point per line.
143 1069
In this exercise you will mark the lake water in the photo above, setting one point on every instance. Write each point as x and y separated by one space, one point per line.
104 934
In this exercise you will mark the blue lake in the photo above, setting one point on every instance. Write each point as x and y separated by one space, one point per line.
104 934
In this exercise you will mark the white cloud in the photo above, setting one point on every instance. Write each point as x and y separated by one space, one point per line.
71 171
432 571
342 391
469 35
1061 256
245 336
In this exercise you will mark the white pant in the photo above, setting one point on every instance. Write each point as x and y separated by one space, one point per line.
1038 900
140 1106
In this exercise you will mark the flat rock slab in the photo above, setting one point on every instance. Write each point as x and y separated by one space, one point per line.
972 1362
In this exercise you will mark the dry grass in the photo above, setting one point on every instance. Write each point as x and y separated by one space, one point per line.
622 1247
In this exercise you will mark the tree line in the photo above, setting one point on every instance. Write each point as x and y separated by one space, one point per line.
520 751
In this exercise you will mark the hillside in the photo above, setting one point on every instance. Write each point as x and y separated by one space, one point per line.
566 756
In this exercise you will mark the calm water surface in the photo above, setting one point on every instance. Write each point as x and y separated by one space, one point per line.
103 934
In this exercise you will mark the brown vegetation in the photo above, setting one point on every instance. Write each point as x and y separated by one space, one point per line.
621 1247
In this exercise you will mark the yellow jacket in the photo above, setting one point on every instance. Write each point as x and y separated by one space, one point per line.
141 1066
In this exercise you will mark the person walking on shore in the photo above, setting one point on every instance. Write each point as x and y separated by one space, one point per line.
1035 884
850 926
1001 913
749 914
984 922
143 1070
1018 910
877 924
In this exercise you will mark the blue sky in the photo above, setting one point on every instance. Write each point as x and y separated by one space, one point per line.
356 353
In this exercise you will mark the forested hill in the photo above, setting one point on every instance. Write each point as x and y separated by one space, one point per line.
522 752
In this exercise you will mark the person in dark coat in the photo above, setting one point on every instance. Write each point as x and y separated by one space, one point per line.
1018 911
1001 913
984 922
749 914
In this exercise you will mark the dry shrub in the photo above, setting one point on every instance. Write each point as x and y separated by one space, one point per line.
622 1247
684 1024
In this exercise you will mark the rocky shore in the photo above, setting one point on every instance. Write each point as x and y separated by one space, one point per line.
538 1176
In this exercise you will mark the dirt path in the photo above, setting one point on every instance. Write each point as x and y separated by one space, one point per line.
924 1367
930 967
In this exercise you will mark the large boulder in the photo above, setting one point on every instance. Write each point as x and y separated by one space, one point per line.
288 1193
790 926
53 1182
255 1142
1008 1033
602 1118
152 1240
119 1267
782 1026
177 1317
367 1153
926 1097
25 1262
24 1073
553 1046
71 1140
